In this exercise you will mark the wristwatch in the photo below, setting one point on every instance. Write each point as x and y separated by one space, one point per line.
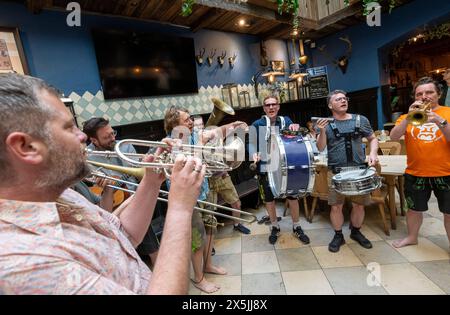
443 123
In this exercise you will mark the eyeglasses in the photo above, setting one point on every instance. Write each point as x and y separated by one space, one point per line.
271 104
344 98
111 134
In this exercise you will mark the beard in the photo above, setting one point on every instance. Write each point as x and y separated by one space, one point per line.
64 167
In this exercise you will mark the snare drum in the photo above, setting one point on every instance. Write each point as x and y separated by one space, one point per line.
290 171
356 182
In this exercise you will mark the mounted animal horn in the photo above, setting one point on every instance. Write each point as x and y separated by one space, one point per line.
341 62
210 57
221 58
231 60
199 57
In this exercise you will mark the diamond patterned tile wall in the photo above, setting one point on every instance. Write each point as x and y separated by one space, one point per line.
129 111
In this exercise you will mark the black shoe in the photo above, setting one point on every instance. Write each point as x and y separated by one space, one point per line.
239 227
298 232
274 232
357 236
336 242
213 251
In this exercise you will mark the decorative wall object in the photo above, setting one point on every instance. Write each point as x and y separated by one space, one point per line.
231 60
293 89
277 65
230 94
199 57
221 58
212 53
341 62
244 99
12 57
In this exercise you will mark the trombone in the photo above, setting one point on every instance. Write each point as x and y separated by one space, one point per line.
217 159
166 193
419 116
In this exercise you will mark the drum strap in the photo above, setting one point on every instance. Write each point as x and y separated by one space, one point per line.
348 136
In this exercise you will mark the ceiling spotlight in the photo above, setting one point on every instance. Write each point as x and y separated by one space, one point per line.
241 22
294 32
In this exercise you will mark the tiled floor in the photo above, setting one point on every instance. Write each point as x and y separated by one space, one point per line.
256 267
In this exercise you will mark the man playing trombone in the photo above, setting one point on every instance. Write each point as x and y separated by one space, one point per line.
103 138
427 140
56 242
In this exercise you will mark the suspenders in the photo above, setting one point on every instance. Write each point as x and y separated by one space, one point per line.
282 121
348 136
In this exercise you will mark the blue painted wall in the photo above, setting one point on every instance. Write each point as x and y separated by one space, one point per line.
370 45
65 56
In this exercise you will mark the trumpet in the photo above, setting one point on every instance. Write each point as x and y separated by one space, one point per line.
419 117
217 159
166 193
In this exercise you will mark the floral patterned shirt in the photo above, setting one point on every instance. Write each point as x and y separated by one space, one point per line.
66 247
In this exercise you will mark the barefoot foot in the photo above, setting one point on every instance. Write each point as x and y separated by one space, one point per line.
206 286
215 270
404 242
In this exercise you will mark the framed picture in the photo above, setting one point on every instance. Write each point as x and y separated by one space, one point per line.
277 65
12 58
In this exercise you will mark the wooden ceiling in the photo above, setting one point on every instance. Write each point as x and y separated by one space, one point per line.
319 18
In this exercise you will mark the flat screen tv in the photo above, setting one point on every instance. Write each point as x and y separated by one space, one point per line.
133 64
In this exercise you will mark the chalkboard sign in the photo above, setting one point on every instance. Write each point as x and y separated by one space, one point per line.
318 86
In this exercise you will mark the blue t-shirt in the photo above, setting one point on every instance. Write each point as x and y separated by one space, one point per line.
259 143
337 155
193 139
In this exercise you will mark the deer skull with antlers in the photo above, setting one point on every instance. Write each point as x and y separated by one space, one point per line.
231 60
199 57
341 62
210 57
221 58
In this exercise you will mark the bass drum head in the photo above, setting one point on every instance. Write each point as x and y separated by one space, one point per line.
276 166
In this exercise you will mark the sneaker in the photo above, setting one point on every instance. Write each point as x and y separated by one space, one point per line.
357 236
298 232
274 232
336 242
239 227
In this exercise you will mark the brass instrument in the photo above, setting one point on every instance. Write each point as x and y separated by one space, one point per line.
217 159
126 170
220 110
419 117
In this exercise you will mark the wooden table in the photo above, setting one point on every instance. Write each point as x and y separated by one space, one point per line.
393 166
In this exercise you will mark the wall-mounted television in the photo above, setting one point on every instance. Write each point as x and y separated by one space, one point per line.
134 64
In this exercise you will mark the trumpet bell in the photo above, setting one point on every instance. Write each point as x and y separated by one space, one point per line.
417 118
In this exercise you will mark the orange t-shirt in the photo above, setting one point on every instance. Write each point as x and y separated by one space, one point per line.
427 149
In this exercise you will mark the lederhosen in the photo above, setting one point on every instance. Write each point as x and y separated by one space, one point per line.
348 137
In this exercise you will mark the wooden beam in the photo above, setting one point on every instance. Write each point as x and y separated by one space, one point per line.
339 15
276 31
247 9
211 16
35 6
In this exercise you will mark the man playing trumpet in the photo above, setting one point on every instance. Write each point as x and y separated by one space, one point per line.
428 153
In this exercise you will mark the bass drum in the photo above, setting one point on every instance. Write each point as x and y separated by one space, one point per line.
290 166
